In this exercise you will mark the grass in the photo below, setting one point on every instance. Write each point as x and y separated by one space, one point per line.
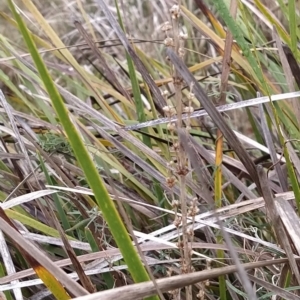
111 186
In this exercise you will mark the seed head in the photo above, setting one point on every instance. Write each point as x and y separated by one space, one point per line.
166 26
175 11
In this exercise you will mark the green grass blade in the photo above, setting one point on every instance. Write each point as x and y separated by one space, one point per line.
103 200
135 86
62 216
293 25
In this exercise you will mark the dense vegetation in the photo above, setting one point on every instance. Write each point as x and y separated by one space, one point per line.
149 149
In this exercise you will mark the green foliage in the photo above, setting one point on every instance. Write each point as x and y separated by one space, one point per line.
55 143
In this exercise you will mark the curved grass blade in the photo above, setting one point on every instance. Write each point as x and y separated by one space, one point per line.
138 63
49 280
216 117
103 200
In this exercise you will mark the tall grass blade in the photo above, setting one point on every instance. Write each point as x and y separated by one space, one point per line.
102 198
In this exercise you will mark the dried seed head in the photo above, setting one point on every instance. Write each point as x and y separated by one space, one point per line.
176 146
175 11
181 52
208 263
165 93
191 96
183 36
171 181
182 171
175 203
195 201
171 127
166 109
169 272
169 42
188 109
200 295
184 268
170 163
169 111
190 231
180 244
193 211
173 111
166 26
177 223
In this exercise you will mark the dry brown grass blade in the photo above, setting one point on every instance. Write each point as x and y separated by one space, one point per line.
292 153
274 289
197 166
227 57
294 67
203 152
56 162
111 77
285 271
226 63
48 278
269 141
189 148
141 162
9 110
289 67
276 222
290 221
216 116
140 290
138 63
129 227
85 280
243 276
110 253
294 157
37 258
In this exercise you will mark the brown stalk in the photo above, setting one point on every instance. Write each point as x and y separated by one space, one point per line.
85 280
138 63
116 252
36 258
295 71
56 163
216 117
274 289
106 69
181 164
140 290
131 232
245 280
194 158
219 144
276 222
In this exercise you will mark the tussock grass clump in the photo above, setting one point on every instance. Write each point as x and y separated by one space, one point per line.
149 149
